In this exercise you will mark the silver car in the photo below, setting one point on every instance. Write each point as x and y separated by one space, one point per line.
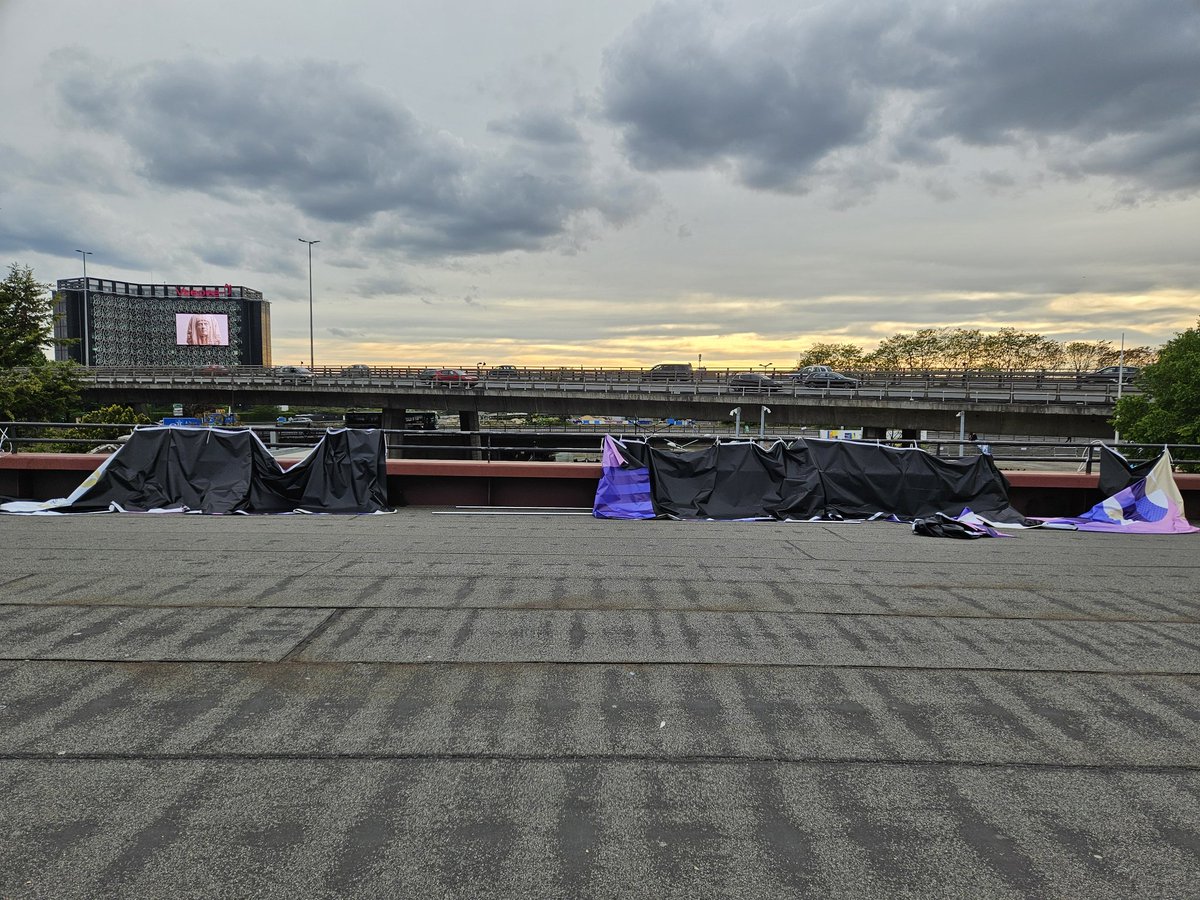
755 383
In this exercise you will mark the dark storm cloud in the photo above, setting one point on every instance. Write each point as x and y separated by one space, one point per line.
769 101
526 201
1168 160
1086 69
1084 86
313 136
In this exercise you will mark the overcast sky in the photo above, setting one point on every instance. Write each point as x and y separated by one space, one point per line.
626 182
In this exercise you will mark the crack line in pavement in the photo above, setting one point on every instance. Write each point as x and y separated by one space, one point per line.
319 630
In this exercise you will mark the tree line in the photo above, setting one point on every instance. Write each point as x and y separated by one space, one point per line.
1009 349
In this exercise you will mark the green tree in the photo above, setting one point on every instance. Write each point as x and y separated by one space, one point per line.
26 319
1133 356
1168 409
88 434
962 348
1083 356
45 393
922 349
32 388
837 356
1013 350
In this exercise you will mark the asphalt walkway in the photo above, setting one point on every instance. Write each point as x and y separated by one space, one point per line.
424 705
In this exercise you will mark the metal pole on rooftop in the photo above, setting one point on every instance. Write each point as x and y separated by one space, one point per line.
311 354
1121 367
762 420
84 355
1120 378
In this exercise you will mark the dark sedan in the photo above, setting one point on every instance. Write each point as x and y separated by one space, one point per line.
822 376
1112 374
505 373
755 383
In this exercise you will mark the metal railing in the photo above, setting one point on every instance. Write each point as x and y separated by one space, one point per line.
562 443
928 384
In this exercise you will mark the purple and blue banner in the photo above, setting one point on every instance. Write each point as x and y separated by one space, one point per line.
1151 505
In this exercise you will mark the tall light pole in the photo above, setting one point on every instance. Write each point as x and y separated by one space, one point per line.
1120 378
84 355
311 355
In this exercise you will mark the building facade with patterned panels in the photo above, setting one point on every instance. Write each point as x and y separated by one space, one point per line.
118 323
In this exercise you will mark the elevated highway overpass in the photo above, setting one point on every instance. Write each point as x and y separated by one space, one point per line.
994 406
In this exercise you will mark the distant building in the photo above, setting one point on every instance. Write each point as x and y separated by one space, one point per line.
117 323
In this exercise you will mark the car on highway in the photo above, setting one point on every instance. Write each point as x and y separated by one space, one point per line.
214 369
292 373
505 373
670 372
821 376
1112 374
755 383
449 377
358 370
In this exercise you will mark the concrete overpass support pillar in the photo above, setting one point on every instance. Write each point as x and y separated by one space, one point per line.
468 421
394 419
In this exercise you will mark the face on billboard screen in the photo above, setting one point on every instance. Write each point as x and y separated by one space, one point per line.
202 329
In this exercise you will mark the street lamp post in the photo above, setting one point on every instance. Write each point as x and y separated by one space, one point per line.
312 359
84 354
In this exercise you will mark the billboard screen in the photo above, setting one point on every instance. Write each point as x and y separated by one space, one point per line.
202 329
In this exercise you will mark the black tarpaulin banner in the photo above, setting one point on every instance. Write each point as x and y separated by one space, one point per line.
221 471
860 480
817 478
1118 473
732 481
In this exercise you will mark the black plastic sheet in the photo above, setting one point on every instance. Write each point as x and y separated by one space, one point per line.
1118 473
820 479
860 480
219 471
